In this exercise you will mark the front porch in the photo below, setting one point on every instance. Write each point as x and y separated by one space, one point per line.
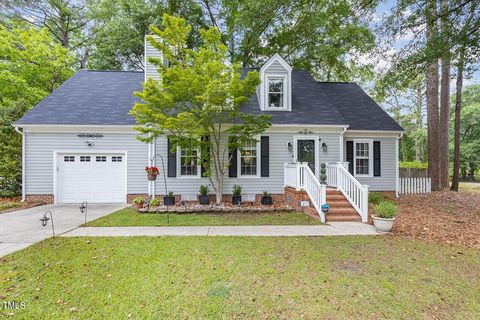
342 197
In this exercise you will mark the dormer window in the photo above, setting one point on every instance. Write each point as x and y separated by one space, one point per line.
276 98
274 92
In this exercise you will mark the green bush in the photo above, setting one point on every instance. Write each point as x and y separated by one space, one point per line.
154 203
138 200
236 190
204 190
376 198
386 209
414 165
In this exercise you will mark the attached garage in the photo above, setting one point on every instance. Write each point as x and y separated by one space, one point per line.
92 177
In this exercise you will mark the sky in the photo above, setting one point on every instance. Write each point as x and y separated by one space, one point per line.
383 9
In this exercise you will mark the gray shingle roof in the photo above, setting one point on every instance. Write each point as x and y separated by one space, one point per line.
106 97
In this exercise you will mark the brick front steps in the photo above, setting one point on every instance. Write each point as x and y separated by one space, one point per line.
340 209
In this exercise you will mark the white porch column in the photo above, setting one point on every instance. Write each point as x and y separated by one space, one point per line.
364 203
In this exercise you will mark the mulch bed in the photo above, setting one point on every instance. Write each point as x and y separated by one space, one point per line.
194 207
442 216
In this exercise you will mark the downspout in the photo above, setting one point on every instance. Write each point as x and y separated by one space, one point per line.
397 176
23 163
341 144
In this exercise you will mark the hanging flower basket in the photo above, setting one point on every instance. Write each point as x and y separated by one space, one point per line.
152 173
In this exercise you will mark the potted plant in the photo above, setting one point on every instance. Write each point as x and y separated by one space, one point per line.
154 203
137 202
323 173
236 194
266 198
385 216
203 197
169 200
152 173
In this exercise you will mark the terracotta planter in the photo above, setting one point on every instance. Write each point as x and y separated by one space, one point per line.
168 201
236 200
151 177
267 200
383 224
138 205
203 200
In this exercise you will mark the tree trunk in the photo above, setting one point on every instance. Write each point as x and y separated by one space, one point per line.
443 138
419 125
432 101
458 110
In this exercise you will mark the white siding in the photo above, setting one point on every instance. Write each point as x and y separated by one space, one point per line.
39 157
150 69
276 68
387 181
278 155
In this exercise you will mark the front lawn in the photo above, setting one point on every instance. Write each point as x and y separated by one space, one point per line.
242 278
128 217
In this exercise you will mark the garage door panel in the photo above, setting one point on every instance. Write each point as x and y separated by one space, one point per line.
98 180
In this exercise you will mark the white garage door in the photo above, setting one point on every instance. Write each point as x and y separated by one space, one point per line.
94 178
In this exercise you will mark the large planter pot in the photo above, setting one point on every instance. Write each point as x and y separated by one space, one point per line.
151 177
267 200
236 200
203 200
138 205
383 224
168 201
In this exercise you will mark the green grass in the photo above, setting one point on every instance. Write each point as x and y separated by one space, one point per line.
470 186
128 217
242 278
8 205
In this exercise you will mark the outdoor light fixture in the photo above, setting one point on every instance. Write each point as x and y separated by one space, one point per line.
289 146
84 209
45 219
324 147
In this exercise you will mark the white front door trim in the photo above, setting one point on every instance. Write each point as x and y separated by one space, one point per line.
317 144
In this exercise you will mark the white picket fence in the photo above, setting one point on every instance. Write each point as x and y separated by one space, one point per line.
415 185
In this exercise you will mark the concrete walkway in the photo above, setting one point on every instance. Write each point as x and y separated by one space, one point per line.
22 228
333 229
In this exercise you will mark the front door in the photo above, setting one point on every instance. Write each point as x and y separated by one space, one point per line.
306 152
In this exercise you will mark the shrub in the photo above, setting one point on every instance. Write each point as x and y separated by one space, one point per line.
376 198
323 172
386 209
170 194
204 190
236 190
154 203
266 193
138 200
414 165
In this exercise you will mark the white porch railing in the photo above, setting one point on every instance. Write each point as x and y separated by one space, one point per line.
299 176
353 190
415 185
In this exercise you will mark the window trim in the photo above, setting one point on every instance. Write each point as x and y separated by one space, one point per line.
370 157
179 166
239 161
285 92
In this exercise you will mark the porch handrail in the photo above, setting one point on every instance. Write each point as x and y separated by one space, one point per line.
299 176
353 190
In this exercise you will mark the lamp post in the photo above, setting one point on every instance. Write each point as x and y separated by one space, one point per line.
152 161
45 219
84 209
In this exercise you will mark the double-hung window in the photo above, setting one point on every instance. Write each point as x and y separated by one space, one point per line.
363 157
248 158
276 93
189 162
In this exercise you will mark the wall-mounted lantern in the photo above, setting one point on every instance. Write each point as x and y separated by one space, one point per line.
324 147
289 146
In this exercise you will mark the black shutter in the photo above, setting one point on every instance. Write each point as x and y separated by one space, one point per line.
265 156
232 168
350 156
171 160
207 149
376 159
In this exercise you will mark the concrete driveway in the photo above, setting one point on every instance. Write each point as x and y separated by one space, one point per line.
20 229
